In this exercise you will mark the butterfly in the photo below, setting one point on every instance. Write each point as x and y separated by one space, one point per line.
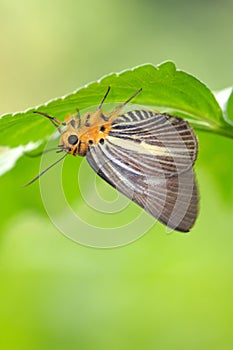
146 155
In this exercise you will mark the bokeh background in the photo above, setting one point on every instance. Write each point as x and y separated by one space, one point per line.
162 291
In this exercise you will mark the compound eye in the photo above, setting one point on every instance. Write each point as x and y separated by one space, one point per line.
73 139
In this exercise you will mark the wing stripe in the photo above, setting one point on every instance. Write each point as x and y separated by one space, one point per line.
101 166
174 135
148 149
152 153
148 126
132 125
110 172
153 121
149 163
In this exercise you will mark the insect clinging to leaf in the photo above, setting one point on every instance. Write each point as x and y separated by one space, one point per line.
146 155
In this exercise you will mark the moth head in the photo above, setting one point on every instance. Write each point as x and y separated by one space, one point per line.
69 141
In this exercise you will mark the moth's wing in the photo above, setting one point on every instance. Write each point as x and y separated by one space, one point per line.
149 157
178 206
172 200
163 145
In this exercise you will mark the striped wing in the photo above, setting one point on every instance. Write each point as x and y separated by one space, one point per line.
149 158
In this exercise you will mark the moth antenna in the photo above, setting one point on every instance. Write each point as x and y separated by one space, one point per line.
40 153
129 99
44 171
104 98
53 120
122 105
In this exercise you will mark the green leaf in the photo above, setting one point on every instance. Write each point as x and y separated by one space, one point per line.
229 107
163 86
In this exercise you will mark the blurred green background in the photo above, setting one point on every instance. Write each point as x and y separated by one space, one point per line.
162 291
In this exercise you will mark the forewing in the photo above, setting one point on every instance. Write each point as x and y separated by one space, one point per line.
163 145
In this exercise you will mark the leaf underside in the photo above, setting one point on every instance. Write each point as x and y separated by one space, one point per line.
163 87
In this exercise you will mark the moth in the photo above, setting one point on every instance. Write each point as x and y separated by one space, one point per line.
146 155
